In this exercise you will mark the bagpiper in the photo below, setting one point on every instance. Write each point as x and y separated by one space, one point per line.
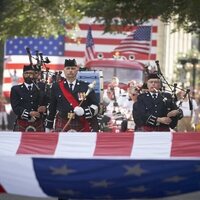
70 109
28 103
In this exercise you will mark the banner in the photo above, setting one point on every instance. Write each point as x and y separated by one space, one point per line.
100 165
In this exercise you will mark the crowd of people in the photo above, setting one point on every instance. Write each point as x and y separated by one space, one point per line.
71 105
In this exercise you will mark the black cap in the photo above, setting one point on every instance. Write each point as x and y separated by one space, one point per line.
70 63
28 67
153 76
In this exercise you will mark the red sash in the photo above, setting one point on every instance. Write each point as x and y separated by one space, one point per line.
70 98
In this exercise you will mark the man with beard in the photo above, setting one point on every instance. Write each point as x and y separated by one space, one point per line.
28 103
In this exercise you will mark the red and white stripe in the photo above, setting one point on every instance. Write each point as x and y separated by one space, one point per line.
104 43
17 150
140 145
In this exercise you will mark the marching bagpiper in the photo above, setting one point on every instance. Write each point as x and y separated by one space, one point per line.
72 107
28 103
155 110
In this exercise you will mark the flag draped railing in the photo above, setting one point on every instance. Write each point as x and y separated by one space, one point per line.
99 165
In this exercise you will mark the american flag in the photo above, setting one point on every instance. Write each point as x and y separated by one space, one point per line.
139 41
61 48
89 50
100 165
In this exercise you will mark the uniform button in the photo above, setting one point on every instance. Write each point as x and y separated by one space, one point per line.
21 98
156 106
31 95
156 111
31 102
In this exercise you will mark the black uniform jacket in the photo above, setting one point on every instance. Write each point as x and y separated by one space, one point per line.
59 104
24 100
146 110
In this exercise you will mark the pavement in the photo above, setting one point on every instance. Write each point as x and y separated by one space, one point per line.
191 196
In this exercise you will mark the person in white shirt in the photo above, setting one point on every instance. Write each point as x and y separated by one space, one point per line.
126 104
190 113
14 77
3 113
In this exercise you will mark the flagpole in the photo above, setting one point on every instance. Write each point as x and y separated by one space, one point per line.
89 49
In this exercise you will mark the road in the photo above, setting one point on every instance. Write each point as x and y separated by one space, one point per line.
192 196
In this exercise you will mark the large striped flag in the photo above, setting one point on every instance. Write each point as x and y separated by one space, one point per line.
138 42
100 165
89 50
58 49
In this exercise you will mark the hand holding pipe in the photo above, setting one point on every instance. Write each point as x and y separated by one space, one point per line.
91 86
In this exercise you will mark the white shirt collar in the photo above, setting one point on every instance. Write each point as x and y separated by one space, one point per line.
154 93
74 82
26 84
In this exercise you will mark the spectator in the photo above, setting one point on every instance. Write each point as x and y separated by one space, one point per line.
133 91
3 114
190 113
14 78
111 97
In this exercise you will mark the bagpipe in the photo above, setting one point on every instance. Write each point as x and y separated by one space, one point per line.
46 76
40 67
173 89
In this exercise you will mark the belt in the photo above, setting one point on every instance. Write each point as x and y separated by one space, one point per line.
24 125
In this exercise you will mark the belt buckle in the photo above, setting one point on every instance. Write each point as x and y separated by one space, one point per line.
71 115
30 129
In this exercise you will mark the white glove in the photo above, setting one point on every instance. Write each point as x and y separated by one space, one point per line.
79 111
48 130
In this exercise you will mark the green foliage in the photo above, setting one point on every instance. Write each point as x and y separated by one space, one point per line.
185 13
37 17
50 17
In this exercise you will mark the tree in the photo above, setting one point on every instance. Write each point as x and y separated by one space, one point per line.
37 17
184 13
50 17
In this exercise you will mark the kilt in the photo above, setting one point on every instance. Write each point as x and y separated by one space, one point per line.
26 126
75 124
152 128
